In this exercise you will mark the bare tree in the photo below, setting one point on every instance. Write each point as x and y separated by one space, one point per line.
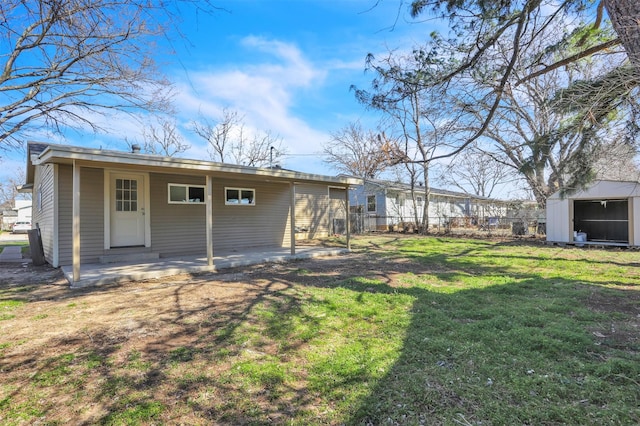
9 191
617 161
259 150
219 136
483 30
423 120
229 142
357 152
164 139
549 129
547 126
477 172
65 62
414 171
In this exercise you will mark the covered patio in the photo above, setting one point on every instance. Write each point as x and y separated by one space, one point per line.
133 270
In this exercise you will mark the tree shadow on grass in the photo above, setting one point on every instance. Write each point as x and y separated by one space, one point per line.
528 349
224 348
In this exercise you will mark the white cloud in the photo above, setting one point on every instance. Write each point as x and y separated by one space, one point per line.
264 93
267 91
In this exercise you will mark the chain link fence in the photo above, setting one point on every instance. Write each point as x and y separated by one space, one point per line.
362 223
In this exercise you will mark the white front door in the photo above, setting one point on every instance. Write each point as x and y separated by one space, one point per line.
127 216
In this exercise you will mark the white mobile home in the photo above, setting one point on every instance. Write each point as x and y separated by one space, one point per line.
388 204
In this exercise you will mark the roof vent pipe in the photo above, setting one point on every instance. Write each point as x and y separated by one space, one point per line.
135 148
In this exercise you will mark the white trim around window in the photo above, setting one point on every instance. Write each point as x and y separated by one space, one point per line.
239 196
372 203
178 193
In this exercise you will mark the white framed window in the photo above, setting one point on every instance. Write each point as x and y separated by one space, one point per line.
186 194
371 203
419 200
240 196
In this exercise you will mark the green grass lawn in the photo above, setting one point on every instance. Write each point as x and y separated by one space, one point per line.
408 331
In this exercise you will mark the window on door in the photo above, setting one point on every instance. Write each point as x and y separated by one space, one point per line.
126 195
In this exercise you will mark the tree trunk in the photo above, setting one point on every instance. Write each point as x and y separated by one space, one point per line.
427 194
625 17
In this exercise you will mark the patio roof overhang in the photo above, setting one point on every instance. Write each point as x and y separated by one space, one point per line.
64 154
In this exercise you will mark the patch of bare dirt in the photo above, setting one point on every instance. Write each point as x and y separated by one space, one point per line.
615 332
167 340
137 333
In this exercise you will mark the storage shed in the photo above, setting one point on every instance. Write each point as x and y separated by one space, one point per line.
607 212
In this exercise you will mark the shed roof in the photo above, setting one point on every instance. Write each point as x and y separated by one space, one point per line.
601 189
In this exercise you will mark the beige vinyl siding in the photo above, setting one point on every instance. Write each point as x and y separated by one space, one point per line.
65 213
312 211
176 229
265 224
179 229
337 209
43 208
337 202
91 214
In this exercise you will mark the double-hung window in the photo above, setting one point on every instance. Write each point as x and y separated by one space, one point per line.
371 204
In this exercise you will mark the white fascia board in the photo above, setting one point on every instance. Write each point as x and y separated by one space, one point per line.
55 153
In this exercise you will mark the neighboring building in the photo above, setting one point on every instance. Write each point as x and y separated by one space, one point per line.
23 208
607 212
20 213
9 217
386 205
91 204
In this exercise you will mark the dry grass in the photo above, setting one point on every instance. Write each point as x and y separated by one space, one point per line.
403 331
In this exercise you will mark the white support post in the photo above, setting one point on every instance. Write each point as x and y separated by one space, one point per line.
75 232
292 209
347 222
209 222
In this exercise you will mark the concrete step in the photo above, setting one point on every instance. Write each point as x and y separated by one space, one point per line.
128 257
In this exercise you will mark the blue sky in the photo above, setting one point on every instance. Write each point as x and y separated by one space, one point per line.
285 65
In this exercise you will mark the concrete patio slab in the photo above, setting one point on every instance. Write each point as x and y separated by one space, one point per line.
100 274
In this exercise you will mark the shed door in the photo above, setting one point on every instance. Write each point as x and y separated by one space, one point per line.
602 220
127 210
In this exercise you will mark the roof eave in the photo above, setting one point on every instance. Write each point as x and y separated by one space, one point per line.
63 153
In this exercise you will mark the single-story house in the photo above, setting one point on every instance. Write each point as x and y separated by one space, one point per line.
607 212
387 204
92 204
